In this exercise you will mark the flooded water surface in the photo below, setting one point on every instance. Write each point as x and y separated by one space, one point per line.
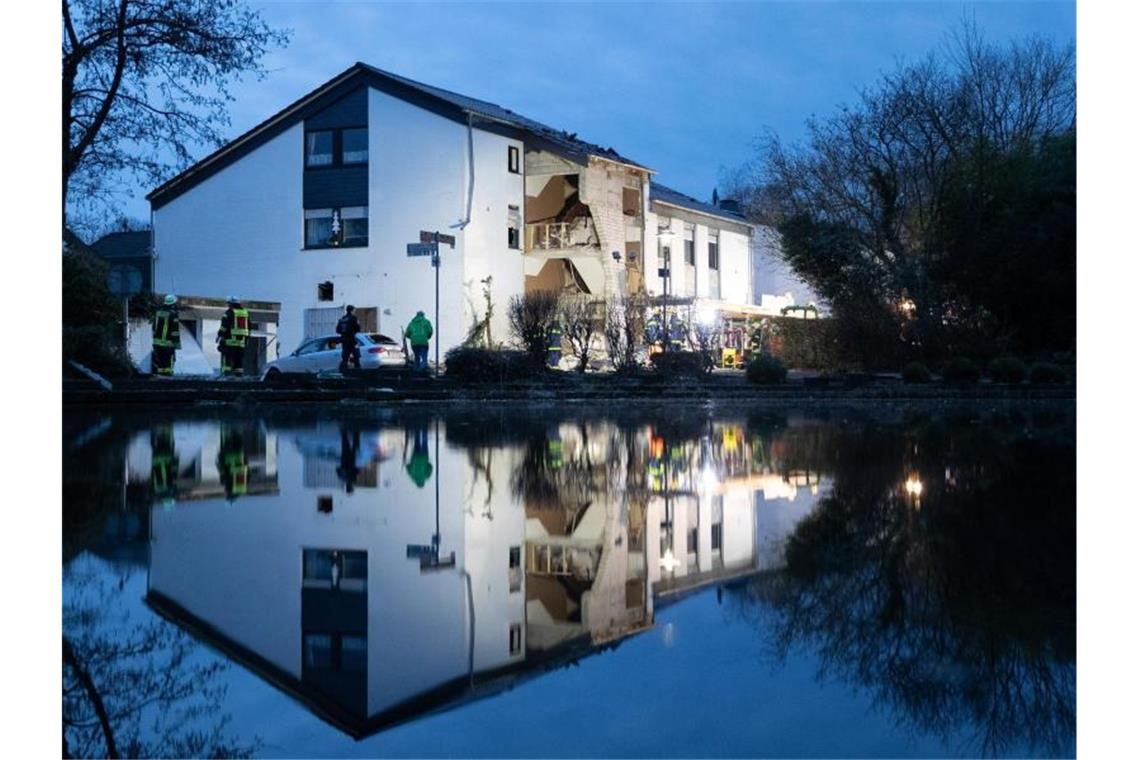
559 581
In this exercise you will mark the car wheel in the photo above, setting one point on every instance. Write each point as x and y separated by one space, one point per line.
272 375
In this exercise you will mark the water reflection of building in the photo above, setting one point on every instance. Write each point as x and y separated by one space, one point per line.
375 591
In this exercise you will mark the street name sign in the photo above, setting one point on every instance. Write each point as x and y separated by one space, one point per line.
420 249
427 237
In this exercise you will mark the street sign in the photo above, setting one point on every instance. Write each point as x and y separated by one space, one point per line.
427 237
421 249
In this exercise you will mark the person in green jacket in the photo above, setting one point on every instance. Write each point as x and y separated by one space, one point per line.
418 334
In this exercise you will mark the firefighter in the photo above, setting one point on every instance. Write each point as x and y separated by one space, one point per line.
554 345
233 469
676 333
347 328
165 337
653 330
232 335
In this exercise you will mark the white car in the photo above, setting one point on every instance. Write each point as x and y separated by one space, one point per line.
322 354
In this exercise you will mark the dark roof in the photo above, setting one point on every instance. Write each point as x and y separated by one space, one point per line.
659 192
123 245
442 102
566 140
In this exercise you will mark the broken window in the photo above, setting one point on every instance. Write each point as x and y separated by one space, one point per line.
512 159
325 291
631 201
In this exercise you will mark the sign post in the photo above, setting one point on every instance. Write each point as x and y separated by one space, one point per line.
429 246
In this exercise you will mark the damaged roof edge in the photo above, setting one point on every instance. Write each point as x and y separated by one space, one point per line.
437 100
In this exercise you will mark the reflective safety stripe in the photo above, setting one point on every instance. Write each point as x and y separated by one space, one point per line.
161 334
241 324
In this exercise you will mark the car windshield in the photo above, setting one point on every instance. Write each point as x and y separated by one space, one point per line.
380 338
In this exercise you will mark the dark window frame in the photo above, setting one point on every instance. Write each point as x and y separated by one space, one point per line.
714 255
513 165
338 161
342 244
691 253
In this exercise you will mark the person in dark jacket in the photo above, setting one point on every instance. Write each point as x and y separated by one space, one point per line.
347 328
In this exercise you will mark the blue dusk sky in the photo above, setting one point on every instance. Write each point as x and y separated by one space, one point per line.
684 88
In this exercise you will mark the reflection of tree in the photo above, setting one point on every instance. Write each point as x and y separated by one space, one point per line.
135 689
956 609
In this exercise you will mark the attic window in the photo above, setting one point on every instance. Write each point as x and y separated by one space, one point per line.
512 159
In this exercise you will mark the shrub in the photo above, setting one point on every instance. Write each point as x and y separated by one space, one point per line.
1008 369
486 365
94 348
916 372
677 363
531 316
1047 373
960 371
766 370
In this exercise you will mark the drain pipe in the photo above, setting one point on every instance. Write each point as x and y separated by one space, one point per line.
470 175
471 629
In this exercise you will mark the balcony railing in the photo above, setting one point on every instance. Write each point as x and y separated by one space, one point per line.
550 236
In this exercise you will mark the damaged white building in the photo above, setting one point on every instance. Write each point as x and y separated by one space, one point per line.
314 208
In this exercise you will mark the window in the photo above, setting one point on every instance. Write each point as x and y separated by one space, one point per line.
324 504
514 223
319 148
310 347
714 255
717 531
336 147
516 638
336 227
325 291
354 146
663 256
690 245
514 571
512 159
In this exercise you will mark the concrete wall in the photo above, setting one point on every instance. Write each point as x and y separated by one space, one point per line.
241 231
735 259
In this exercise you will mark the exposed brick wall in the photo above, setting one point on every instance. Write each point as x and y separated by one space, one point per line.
602 186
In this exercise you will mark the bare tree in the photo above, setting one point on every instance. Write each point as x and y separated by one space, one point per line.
146 80
578 318
623 328
530 317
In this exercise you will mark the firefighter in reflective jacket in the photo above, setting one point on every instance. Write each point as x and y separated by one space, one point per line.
165 337
163 463
554 345
232 335
653 330
676 333
233 469
656 468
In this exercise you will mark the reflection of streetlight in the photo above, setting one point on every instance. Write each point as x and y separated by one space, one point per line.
706 317
709 479
669 563
913 487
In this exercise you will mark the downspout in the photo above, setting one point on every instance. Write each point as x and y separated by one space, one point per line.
470 175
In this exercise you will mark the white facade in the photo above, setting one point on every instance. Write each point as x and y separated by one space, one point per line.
775 285
241 231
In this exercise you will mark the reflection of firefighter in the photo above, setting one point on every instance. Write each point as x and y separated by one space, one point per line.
233 468
418 466
349 448
554 452
656 468
163 462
